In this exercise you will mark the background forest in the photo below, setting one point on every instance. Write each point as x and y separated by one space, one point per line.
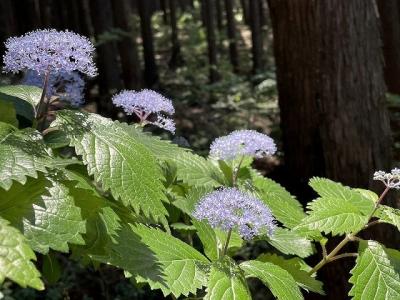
320 77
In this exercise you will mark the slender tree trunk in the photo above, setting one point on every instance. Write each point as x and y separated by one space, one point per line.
231 32
107 54
85 18
163 4
219 15
332 98
389 11
245 10
150 66
256 35
211 39
176 55
130 63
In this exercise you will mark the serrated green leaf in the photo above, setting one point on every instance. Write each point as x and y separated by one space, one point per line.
118 161
208 238
187 204
374 276
295 268
277 279
226 282
388 215
290 242
24 98
331 216
327 188
15 258
22 154
184 268
45 212
285 208
8 114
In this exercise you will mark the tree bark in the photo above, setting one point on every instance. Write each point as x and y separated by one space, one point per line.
231 32
245 10
332 98
176 59
256 35
389 11
131 70
150 66
219 15
211 39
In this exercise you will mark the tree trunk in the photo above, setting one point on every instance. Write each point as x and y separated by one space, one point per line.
231 32
107 55
245 10
150 66
163 5
256 36
211 39
389 11
219 15
332 98
176 55
130 63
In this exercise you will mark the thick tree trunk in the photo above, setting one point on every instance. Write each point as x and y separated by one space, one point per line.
231 32
332 98
130 63
389 11
256 35
150 66
176 55
208 7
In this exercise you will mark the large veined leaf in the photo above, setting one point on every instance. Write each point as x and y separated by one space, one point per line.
285 208
339 210
8 114
388 215
277 279
361 199
297 268
25 98
117 160
45 212
290 242
15 258
184 268
226 281
374 275
187 204
208 238
22 154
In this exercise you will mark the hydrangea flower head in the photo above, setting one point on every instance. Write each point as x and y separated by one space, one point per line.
242 142
391 180
229 208
49 50
66 86
148 106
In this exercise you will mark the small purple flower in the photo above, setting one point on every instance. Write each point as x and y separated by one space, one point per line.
242 142
148 106
67 87
49 51
229 208
391 180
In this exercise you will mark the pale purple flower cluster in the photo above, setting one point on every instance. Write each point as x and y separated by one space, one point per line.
229 208
148 106
50 50
242 142
66 86
391 180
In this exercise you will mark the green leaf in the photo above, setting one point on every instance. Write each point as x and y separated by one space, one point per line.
374 275
51 269
184 268
388 215
295 267
277 279
187 204
285 208
290 242
118 161
8 114
25 98
339 210
226 282
22 154
208 238
329 189
15 258
45 212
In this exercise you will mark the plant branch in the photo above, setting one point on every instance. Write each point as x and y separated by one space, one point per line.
225 250
236 172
